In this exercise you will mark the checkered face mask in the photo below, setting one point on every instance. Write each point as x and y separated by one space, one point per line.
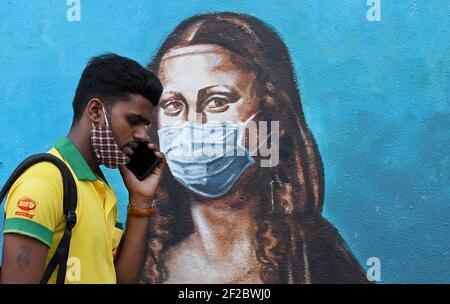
105 148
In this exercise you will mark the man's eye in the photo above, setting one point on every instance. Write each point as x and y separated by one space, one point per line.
173 108
132 121
216 104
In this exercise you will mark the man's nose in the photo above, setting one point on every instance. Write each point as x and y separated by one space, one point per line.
140 133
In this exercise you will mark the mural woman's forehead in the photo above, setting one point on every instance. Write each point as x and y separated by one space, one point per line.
189 69
193 49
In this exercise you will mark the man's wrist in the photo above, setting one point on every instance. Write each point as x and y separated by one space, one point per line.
134 210
141 201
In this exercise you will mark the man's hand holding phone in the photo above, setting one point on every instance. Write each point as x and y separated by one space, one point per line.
143 173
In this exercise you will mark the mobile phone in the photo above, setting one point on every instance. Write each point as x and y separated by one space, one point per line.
143 161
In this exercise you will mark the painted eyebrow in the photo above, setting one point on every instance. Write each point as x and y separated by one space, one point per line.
203 93
221 89
217 89
172 94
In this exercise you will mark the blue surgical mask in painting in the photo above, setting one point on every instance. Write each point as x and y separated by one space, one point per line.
206 158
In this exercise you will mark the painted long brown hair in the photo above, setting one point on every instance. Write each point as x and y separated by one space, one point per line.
295 244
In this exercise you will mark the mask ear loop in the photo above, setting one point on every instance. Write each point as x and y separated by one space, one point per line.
265 139
260 144
251 117
104 114
244 124
272 181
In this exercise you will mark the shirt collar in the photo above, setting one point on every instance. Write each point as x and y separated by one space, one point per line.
76 161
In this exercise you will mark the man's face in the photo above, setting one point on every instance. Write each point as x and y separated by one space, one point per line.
129 121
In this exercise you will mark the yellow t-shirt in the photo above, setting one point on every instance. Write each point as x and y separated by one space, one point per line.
34 207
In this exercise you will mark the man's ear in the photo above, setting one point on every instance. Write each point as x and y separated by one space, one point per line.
94 111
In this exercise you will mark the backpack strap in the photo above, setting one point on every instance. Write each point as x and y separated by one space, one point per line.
69 206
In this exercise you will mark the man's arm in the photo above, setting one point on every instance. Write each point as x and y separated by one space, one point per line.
131 253
23 259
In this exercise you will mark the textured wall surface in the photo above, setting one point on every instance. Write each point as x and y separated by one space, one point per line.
375 95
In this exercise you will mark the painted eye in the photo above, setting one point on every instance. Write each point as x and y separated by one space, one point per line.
173 108
216 104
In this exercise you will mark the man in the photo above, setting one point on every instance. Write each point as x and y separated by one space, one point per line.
112 109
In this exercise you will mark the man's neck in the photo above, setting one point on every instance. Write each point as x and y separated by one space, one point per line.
82 141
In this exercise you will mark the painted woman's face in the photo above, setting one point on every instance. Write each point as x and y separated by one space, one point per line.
202 85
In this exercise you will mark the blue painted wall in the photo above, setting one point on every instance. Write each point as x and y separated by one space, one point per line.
375 94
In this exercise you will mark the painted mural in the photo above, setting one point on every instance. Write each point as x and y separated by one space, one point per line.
307 141
225 217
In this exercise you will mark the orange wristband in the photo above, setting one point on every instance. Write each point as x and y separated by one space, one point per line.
141 212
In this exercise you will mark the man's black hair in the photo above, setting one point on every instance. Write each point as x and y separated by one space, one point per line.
110 77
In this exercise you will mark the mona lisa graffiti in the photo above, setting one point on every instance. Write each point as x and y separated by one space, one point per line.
230 218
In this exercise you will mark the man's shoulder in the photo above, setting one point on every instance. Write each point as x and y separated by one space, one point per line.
43 171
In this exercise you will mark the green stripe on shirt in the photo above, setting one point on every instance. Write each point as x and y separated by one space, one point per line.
28 228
